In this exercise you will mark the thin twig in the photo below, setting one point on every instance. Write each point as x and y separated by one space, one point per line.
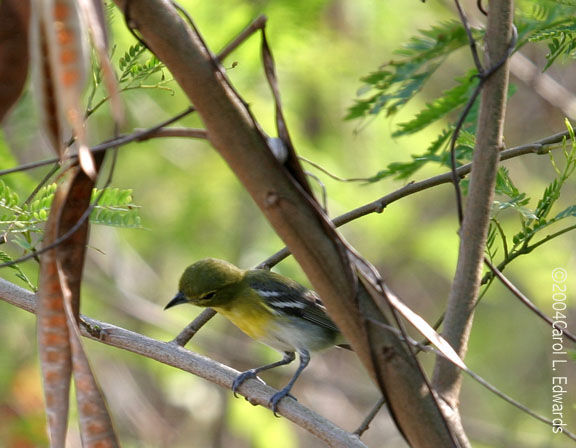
525 300
122 140
465 111
540 147
256 25
192 328
471 41
113 144
333 176
497 272
175 132
455 178
478 379
368 420
324 201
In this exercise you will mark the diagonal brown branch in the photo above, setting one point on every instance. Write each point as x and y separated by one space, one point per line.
295 217
171 354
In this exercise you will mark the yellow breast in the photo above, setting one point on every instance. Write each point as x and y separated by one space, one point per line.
254 321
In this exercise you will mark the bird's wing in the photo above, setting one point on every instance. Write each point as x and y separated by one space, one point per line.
284 295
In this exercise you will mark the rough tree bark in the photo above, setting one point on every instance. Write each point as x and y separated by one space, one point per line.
447 378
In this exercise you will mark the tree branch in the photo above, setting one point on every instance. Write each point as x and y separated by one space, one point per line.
464 292
115 143
296 218
542 146
173 355
377 206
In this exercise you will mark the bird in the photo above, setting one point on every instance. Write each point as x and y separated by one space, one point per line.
270 308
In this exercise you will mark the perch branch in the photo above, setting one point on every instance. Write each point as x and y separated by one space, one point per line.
173 355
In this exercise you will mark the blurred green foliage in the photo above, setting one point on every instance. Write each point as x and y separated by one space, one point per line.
184 204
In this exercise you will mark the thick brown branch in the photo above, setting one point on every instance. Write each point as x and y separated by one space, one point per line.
297 219
464 292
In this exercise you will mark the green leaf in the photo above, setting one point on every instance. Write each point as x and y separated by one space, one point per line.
403 170
5 258
516 204
23 243
115 208
567 212
396 82
450 100
505 186
8 198
549 22
551 195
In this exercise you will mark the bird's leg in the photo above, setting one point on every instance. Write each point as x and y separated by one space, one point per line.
287 359
304 360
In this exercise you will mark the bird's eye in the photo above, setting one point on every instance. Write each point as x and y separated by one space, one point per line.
208 295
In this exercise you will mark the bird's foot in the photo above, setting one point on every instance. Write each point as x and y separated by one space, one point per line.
275 400
243 377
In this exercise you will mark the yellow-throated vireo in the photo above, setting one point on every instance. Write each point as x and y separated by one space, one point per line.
268 307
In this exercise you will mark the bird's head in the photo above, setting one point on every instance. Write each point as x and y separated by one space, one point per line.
207 283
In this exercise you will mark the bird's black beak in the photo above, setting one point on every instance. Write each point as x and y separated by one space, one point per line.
177 300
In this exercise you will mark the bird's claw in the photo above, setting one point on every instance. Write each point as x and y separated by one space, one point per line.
243 377
275 400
